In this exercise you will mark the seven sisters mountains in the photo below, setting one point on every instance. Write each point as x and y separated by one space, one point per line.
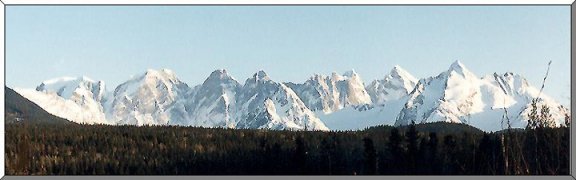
335 102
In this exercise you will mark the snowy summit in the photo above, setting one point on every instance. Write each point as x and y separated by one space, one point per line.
323 102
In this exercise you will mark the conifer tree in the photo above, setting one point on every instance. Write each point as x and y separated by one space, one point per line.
370 157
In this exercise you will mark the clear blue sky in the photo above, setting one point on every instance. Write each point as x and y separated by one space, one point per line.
290 43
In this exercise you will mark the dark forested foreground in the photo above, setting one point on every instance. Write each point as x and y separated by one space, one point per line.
439 148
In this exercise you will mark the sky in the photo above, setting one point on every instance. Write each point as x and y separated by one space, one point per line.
290 43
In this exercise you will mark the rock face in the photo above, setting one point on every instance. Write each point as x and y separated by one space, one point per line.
335 102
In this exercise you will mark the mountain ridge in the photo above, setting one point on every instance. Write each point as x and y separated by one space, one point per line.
158 97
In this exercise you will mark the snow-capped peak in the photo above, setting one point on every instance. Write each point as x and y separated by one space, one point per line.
66 79
512 84
336 102
213 102
151 78
219 82
75 98
397 84
163 75
459 68
351 73
399 72
337 77
522 81
67 86
260 76
220 74
147 99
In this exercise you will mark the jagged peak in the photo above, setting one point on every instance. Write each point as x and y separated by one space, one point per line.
219 77
336 77
70 82
456 65
459 68
317 77
399 72
161 74
219 74
66 86
508 76
261 75
167 71
258 77
350 73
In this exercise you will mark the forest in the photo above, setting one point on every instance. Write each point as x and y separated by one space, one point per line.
417 149
38 143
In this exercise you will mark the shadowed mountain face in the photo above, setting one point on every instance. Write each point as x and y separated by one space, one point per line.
19 109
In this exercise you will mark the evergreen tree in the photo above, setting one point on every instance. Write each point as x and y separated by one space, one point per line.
433 154
449 148
370 157
412 138
300 154
423 157
395 153
485 156
41 149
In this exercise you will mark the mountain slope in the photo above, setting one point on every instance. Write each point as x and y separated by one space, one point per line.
77 99
214 102
388 97
336 102
266 104
19 109
331 94
397 84
458 96
149 99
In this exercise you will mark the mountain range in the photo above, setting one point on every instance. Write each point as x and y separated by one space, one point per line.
323 102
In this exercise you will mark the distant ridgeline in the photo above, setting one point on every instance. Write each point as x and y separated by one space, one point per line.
333 102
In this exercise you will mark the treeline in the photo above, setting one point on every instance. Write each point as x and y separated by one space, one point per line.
429 149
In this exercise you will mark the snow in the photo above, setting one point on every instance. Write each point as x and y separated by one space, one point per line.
457 95
352 119
86 113
333 102
397 84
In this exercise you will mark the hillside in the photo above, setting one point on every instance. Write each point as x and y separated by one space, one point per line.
19 109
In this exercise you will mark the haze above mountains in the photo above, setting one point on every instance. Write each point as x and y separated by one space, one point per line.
323 102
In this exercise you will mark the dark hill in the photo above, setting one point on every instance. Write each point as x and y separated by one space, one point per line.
19 109
437 127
